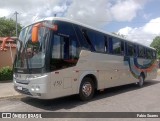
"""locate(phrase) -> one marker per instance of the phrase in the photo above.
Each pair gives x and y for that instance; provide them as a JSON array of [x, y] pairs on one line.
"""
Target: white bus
[[58, 57]]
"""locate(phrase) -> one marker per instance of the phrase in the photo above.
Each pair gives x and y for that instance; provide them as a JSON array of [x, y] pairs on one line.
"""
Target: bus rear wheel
[[87, 89], [141, 81]]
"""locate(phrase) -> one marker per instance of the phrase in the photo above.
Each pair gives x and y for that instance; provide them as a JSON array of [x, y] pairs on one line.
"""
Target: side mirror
[[35, 31], [36, 27]]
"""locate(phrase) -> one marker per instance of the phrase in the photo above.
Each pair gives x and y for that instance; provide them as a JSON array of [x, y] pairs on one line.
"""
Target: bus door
[[62, 63]]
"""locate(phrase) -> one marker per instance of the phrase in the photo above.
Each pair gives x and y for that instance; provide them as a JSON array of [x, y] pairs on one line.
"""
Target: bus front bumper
[[36, 88]]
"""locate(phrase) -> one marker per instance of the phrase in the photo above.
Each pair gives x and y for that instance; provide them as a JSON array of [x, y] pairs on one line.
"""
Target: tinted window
[[130, 49], [135, 50], [64, 47], [122, 47], [97, 40], [56, 51], [116, 46], [149, 53], [106, 48], [82, 40], [141, 51], [84, 32], [73, 49], [110, 44]]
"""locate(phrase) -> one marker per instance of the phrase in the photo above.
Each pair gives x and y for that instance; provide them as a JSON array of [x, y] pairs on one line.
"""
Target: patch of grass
[[6, 73]]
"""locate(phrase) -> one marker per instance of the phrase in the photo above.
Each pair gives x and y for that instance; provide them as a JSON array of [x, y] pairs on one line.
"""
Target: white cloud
[[92, 12], [30, 10], [96, 13], [144, 34], [126, 10], [153, 27], [125, 31], [147, 16], [4, 12], [58, 9]]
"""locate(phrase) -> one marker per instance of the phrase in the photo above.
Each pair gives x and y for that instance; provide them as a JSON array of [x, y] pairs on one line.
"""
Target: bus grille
[[23, 91], [22, 81]]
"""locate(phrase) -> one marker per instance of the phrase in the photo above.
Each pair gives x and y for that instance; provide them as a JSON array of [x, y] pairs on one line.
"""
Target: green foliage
[[156, 44], [6, 73], [7, 27]]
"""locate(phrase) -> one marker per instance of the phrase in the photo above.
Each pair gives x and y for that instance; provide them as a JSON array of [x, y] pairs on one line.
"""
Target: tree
[[7, 27], [156, 44]]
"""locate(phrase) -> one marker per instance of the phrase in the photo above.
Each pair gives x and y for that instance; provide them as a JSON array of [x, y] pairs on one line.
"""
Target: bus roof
[[90, 27]]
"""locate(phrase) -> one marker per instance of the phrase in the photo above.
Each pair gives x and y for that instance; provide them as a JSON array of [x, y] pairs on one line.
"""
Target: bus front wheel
[[87, 89]]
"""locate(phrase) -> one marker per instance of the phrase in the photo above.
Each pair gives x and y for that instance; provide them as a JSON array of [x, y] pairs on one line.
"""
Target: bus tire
[[87, 89], [141, 81]]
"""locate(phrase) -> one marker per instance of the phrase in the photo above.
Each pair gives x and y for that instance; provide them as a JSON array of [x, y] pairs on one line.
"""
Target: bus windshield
[[31, 55]]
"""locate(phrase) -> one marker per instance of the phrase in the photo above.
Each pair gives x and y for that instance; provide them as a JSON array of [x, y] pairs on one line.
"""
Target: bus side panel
[[111, 69], [139, 65], [63, 82]]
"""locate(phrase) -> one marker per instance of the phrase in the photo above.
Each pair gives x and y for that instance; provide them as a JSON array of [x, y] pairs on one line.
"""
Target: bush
[[6, 73]]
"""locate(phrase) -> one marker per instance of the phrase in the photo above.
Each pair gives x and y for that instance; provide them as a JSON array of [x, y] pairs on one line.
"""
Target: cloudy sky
[[138, 20]]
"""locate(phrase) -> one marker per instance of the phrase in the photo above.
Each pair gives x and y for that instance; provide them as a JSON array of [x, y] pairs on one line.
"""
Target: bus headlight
[[37, 88], [32, 89]]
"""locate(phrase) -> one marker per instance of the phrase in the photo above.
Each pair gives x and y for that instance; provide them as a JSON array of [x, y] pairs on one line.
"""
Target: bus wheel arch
[[94, 79], [87, 88]]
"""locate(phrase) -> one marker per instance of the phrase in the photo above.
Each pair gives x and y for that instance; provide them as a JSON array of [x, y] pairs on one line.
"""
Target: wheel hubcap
[[87, 89]]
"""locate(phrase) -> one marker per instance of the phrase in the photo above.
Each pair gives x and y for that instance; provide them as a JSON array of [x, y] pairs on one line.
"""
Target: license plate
[[19, 88]]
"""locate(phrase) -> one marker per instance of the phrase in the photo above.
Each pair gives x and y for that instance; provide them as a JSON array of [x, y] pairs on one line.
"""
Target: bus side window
[[130, 49], [141, 52], [84, 44], [71, 45], [64, 47], [97, 39], [116, 46], [60, 47], [149, 54], [84, 32], [99, 42], [122, 48], [110, 44], [125, 49], [135, 51], [73, 50], [106, 48]]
